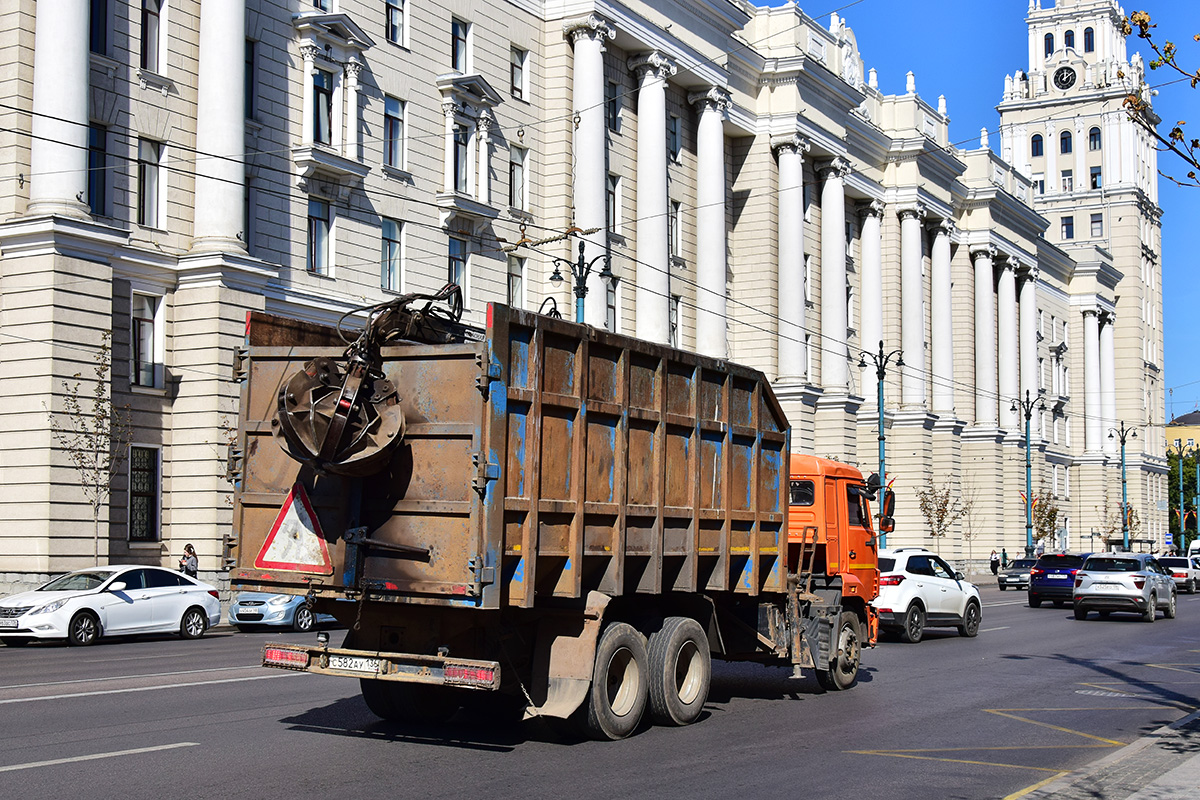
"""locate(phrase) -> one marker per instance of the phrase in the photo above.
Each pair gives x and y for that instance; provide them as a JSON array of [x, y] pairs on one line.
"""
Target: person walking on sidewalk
[[189, 564], [1003, 558], [995, 559]]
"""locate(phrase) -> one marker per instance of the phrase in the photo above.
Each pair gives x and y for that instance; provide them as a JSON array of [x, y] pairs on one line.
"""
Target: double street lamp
[[1180, 450], [1027, 406], [1122, 434], [580, 270], [880, 360]]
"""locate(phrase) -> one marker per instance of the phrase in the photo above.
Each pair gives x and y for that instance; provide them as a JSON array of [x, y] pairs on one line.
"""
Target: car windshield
[[1021, 563], [1174, 562], [1059, 562], [887, 564], [76, 581], [1112, 565]]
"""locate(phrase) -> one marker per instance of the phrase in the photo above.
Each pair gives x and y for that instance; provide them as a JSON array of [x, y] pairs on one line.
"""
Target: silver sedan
[[1124, 582]]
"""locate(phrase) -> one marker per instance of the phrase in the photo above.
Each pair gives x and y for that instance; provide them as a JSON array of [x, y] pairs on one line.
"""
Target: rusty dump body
[[552, 479]]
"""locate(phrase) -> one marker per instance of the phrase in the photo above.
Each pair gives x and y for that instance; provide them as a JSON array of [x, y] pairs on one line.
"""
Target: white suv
[[917, 589]]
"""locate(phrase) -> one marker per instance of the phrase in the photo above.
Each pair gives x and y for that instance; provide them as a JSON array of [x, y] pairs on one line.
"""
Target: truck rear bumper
[[401, 667]]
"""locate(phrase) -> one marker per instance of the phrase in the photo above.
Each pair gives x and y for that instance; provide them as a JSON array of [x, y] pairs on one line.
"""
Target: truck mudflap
[[377, 665]]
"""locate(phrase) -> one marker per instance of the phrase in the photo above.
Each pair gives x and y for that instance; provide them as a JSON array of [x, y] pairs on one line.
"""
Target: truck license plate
[[354, 663], [8, 623]]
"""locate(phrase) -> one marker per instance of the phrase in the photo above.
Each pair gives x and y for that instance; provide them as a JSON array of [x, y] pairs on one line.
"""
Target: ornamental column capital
[[451, 109], [987, 251], [591, 27], [943, 226], [310, 53], [353, 68], [1091, 312], [712, 99], [1031, 273], [655, 63], [871, 208], [837, 168], [485, 121], [915, 211], [794, 143]]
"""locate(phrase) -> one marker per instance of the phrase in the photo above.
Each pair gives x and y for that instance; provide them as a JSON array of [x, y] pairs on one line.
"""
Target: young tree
[[94, 434], [940, 508], [1045, 518]]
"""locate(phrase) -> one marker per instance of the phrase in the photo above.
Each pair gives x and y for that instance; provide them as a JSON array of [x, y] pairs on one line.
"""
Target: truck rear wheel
[[843, 662], [406, 702], [617, 697], [680, 671]]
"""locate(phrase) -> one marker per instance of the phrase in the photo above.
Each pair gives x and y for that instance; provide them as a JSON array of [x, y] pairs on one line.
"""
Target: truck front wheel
[[680, 671], [617, 697], [843, 662]]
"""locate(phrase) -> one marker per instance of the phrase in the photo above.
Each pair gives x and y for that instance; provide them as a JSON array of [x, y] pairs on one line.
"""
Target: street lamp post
[[1027, 405], [1179, 451], [880, 360], [1122, 434], [580, 270]]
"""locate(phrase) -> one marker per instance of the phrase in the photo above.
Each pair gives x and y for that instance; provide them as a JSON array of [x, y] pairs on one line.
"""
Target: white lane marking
[[135, 751], [127, 677], [147, 688], [1009, 603], [1001, 628]]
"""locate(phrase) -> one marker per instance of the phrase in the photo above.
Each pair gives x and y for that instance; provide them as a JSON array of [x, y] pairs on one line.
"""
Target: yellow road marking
[[1113, 742], [950, 760], [1035, 786]]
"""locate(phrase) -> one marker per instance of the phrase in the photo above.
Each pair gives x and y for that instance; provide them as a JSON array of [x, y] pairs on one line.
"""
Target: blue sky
[[964, 48]]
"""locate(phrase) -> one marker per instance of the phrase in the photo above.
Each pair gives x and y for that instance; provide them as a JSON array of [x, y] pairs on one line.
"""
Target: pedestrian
[[995, 559], [1041, 548], [1003, 558], [189, 565]]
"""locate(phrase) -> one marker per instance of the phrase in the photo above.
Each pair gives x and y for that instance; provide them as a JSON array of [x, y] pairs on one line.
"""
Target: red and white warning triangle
[[295, 543]]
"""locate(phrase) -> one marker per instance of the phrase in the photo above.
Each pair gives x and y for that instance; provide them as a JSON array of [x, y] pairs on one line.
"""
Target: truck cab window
[[857, 513], [803, 493]]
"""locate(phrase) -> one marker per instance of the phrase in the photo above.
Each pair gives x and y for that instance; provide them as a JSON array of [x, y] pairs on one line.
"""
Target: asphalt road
[[1036, 694]]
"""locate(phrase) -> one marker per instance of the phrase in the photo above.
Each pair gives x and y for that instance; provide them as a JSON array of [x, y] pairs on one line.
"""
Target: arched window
[[1035, 145], [1049, 44], [1094, 139], [1069, 39], [1064, 142], [1089, 40]]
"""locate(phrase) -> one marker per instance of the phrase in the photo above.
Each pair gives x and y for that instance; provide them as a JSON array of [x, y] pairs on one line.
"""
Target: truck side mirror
[[888, 507], [886, 524]]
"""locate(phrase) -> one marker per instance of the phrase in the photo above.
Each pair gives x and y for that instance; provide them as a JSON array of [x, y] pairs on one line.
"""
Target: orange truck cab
[[830, 533]]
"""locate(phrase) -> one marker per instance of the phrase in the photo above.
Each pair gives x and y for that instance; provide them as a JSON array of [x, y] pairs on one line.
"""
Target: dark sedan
[[1053, 578], [1016, 574]]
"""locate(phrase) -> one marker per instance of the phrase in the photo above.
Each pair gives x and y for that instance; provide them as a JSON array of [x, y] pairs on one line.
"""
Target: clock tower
[[1095, 180]]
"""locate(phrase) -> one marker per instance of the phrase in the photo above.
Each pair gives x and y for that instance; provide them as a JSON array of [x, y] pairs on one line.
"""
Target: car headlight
[[280, 600], [54, 606]]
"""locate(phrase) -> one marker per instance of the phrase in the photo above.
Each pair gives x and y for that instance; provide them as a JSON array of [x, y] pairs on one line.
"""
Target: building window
[[146, 336], [674, 137], [1068, 228], [612, 106], [516, 282], [1069, 39], [610, 305], [1089, 40], [1049, 40], [457, 263], [393, 132], [318, 236], [1064, 142], [673, 231], [322, 106], [461, 157], [516, 177], [459, 31], [143, 494], [1094, 139], [395, 21], [1035, 146], [1039, 185], [151, 35], [150, 155], [612, 204], [674, 320], [321, 5], [1097, 225], [98, 169], [1096, 182], [98, 27], [516, 72], [391, 256], [1068, 181], [251, 80]]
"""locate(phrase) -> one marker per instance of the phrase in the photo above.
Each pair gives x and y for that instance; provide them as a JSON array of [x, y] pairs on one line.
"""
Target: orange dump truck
[[538, 516]]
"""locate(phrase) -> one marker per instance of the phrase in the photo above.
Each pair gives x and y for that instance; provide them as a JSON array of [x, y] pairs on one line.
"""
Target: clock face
[[1064, 78]]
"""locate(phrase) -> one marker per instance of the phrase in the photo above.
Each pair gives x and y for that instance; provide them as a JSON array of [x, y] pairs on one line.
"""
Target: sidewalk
[[1165, 764]]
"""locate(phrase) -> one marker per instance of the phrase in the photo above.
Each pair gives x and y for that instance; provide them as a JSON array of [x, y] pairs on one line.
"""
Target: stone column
[[484, 181], [941, 327], [591, 178], [1006, 332], [912, 307], [309, 53], [1029, 342], [1080, 146], [653, 297], [59, 149], [871, 325], [450, 110], [711, 339], [1092, 428], [835, 373], [1050, 148], [221, 127], [353, 68], [789, 231], [1108, 382], [985, 337]]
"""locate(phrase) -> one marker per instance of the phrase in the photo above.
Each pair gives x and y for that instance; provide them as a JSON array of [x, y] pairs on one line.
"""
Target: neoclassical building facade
[[172, 165]]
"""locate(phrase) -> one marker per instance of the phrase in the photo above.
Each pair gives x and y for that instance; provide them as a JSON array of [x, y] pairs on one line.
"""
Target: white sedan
[[84, 605]]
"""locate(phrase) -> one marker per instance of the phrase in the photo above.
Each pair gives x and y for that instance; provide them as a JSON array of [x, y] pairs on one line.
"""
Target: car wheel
[[1034, 600], [1151, 609], [193, 624], [303, 621], [1080, 613], [1003, 587], [843, 664], [84, 629], [914, 624], [971, 618], [1191, 586], [1169, 611]]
